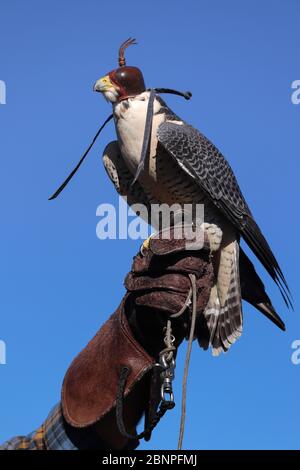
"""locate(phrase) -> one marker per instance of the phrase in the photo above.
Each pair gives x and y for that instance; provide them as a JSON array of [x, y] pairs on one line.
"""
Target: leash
[[148, 125], [146, 140], [147, 136], [187, 360], [64, 184], [167, 365]]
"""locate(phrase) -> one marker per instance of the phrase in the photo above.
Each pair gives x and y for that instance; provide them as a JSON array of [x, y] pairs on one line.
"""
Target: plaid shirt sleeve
[[55, 434]]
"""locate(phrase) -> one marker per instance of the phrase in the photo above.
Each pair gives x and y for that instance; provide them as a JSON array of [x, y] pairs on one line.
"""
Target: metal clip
[[167, 377]]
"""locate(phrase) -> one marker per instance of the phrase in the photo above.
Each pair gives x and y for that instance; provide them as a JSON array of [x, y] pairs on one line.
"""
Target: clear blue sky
[[59, 282]]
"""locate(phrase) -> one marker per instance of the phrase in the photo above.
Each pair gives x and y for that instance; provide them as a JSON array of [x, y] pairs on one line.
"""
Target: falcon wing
[[203, 162]]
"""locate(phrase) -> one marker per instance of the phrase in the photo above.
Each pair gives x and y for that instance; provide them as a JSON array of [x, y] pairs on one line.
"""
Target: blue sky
[[59, 281]]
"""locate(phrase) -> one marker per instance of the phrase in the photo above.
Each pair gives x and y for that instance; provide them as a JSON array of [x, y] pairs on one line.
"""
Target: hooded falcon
[[160, 158]]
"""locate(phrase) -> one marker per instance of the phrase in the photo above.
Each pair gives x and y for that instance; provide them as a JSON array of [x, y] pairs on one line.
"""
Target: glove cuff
[[90, 385]]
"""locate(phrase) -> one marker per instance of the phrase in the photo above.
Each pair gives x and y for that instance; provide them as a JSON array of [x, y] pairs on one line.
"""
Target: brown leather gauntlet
[[157, 286], [91, 382]]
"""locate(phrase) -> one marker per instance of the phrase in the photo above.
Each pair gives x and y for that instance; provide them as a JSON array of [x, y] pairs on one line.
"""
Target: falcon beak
[[103, 84]]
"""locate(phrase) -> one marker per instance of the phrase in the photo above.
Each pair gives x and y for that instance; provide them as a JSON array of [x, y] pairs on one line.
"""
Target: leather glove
[[157, 286]]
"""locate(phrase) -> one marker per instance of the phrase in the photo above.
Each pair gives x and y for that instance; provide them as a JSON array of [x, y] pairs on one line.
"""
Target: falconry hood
[[127, 80]]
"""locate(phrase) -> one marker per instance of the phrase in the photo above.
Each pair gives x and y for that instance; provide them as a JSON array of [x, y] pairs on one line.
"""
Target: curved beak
[[103, 84]]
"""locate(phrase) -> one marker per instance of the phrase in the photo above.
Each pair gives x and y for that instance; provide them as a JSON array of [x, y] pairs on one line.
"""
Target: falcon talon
[[145, 246]]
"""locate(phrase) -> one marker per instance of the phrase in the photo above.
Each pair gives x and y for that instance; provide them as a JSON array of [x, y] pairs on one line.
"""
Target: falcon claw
[[145, 246]]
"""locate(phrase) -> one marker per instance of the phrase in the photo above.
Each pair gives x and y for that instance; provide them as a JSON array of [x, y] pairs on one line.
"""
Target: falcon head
[[121, 83]]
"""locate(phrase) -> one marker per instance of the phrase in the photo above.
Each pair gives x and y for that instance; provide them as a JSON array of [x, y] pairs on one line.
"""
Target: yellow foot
[[145, 246]]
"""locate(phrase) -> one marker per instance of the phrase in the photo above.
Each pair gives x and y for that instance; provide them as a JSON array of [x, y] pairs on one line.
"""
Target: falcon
[[160, 158]]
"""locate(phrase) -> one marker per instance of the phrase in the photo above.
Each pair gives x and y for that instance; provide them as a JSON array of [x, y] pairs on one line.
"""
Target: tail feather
[[253, 291], [222, 324], [207, 323], [258, 244], [225, 322]]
